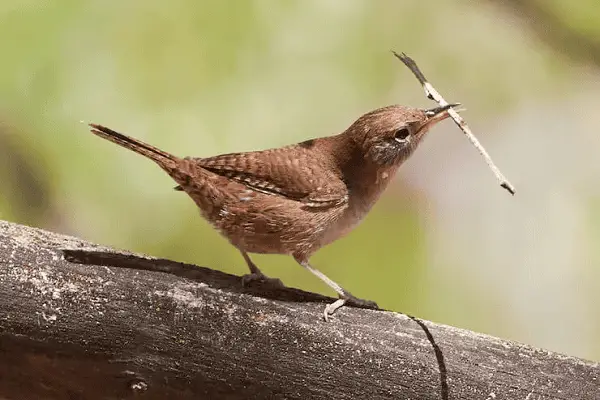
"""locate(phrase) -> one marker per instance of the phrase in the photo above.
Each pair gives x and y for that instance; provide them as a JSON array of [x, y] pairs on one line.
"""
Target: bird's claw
[[348, 299], [261, 278]]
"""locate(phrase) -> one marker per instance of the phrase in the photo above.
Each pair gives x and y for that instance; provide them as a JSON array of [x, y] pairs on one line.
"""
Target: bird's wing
[[301, 177]]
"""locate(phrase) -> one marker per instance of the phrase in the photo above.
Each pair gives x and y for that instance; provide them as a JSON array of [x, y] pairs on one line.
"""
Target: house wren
[[296, 199]]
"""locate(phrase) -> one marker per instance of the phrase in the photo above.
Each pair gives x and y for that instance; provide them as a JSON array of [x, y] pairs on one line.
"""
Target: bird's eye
[[401, 135]]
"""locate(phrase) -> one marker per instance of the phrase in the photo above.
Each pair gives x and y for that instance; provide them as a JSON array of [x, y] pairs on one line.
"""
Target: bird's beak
[[435, 115], [432, 112]]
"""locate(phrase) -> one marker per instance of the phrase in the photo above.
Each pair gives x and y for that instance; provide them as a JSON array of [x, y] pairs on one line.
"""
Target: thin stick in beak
[[437, 110], [434, 95]]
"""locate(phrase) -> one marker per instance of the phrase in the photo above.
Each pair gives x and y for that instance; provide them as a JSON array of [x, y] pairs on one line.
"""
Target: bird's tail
[[162, 158]]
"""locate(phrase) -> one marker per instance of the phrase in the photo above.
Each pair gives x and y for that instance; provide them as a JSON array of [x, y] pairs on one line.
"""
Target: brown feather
[[301, 178]]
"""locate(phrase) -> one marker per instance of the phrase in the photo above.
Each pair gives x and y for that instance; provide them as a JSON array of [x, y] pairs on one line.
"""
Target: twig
[[435, 96]]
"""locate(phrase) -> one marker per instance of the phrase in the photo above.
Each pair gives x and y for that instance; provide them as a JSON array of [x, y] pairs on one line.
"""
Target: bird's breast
[[362, 197]]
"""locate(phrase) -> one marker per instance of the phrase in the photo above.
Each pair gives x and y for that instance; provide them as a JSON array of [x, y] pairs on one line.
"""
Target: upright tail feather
[[162, 158]]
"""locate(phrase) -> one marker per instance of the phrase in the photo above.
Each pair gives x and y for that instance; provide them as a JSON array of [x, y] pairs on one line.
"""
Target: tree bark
[[82, 321]]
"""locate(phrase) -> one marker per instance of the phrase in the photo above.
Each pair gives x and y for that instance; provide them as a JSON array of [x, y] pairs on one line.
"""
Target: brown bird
[[296, 199]]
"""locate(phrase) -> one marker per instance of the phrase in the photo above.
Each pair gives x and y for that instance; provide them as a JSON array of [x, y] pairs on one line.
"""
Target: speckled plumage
[[296, 199]]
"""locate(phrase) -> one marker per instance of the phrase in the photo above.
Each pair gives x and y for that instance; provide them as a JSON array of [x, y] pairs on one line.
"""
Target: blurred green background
[[206, 77]]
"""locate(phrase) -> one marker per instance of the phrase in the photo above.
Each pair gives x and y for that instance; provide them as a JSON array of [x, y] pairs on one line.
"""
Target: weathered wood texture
[[80, 321]]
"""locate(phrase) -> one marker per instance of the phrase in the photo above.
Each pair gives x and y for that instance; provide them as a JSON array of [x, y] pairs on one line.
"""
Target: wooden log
[[81, 321]]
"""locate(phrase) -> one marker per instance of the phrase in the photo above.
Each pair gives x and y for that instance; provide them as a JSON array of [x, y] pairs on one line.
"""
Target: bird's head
[[389, 135]]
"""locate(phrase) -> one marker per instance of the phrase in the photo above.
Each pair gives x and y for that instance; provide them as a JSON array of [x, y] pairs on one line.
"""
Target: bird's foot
[[248, 279], [348, 299]]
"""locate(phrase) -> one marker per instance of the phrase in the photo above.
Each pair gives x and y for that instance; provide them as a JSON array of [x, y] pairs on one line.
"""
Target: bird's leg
[[345, 297], [256, 274]]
